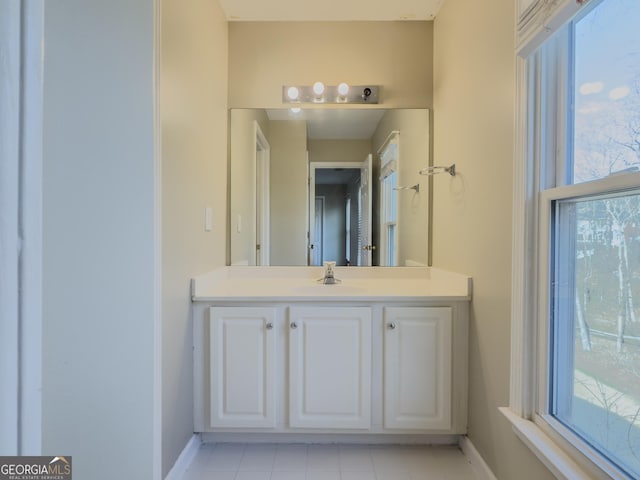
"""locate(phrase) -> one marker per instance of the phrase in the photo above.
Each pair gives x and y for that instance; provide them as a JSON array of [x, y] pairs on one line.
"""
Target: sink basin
[[335, 289]]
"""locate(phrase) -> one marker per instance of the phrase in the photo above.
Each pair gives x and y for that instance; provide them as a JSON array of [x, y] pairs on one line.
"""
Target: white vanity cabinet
[[330, 367], [242, 367], [382, 353], [417, 368]]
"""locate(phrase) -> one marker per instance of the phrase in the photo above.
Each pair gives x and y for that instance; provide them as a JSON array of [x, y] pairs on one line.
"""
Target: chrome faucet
[[329, 274]]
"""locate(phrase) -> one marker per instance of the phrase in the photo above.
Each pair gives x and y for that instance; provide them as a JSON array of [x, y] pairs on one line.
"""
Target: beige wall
[[288, 141], [266, 55], [413, 208], [242, 181], [338, 150], [193, 85], [474, 117]]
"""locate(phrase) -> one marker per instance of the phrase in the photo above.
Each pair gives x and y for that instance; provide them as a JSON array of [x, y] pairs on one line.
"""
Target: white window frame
[[542, 133], [21, 165], [388, 257], [385, 190], [347, 247]]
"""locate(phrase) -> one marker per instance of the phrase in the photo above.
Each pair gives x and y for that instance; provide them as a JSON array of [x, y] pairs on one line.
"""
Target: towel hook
[[415, 187], [451, 170]]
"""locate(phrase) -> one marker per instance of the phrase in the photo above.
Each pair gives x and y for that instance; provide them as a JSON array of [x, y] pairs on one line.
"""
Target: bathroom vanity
[[382, 352]]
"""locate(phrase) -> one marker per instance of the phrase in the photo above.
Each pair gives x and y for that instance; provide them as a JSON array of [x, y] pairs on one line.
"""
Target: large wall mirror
[[329, 185]]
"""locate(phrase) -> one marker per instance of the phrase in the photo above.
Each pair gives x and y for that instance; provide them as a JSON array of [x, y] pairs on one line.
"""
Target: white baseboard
[[186, 457], [329, 438], [476, 460]]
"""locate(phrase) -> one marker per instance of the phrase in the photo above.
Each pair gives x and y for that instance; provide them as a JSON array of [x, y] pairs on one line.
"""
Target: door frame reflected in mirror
[[349, 243], [263, 193]]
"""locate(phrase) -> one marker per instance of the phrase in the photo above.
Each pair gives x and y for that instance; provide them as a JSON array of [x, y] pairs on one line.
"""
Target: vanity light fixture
[[318, 88], [343, 89], [320, 93], [293, 93]]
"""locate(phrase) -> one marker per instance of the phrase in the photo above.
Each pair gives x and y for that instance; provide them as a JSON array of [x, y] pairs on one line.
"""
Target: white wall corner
[[186, 457], [477, 462]]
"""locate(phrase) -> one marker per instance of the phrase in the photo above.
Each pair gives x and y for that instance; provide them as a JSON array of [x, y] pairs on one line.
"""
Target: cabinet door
[[330, 367], [242, 367], [417, 368]]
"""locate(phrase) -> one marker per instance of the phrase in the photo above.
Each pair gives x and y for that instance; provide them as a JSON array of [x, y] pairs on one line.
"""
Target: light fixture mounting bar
[[305, 94]]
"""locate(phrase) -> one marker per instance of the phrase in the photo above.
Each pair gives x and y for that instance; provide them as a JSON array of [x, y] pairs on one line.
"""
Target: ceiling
[[330, 10], [333, 123]]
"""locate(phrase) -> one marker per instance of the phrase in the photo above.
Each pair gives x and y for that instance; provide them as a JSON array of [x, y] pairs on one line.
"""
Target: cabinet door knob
[[269, 326], [391, 326], [294, 325]]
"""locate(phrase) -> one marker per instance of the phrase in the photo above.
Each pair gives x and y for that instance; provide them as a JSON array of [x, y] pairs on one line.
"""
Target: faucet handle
[[329, 269]]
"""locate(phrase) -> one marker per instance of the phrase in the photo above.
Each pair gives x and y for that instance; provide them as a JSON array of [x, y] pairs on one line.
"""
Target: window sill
[[547, 451]]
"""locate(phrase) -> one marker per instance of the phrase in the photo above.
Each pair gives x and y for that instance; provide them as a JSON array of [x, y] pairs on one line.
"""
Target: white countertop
[[242, 283]]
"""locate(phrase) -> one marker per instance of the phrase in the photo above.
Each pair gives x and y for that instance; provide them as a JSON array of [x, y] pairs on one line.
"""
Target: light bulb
[[293, 93], [318, 88], [343, 89], [296, 110]]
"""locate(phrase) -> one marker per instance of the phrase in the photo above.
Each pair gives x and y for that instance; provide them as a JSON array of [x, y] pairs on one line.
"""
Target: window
[[347, 216], [389, 218], [578, 339], [389, 201]]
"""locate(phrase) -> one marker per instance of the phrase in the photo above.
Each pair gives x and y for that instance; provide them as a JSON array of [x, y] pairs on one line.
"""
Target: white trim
[[262, 168], [610, 184], [157, 244], [523, 248], [476, 460], [10, 94], [330, 438], [31, 227], [586, 457], [185, 458], [21, 44], [556, 460], [391, 138], [545, 18]]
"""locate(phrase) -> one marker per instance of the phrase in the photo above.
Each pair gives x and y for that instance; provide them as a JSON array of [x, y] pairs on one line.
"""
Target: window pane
[[391, 245], [391, 195], [596, 357], [607, 90]]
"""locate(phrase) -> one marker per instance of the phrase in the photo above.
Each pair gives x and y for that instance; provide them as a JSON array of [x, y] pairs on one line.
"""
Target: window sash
[[550, 139], [543, 404]]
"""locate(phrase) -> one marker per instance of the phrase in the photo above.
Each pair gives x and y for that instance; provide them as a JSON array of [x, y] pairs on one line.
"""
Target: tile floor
[[226, 461]]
